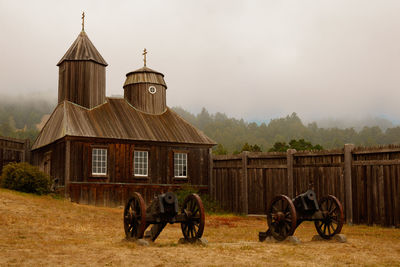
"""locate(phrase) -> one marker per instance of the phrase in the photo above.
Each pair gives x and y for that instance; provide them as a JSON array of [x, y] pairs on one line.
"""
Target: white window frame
[[141, 163], [180, 165], [99, 161]]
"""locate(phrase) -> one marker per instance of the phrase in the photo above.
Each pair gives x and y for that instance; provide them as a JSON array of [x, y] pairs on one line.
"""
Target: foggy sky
[[255, 60]]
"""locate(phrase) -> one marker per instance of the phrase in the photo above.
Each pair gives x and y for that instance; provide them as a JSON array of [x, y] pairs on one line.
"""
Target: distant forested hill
[[19, 117], [233, 133]]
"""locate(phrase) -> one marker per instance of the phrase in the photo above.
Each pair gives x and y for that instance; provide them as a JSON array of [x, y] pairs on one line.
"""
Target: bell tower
[[82, 73], [145, 89]]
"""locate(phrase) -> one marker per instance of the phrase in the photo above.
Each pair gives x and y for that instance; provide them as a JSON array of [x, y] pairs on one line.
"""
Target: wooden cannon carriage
[[162, 210], [285, 215]]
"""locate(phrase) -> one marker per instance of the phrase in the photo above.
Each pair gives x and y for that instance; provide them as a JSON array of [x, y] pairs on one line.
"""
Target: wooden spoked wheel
[[281, 217], [135, 217], [193, 209], [332, 213]]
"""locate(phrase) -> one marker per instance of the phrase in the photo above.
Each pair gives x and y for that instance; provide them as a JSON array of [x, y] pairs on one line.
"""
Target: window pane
[[140, 163], [180, 164], [99, 161]]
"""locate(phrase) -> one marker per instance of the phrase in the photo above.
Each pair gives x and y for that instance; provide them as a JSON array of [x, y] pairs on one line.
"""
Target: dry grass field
[[38, 231]]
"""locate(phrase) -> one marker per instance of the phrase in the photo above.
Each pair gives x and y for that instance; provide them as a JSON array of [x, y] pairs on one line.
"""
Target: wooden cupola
[[82, 74], [145, 89]]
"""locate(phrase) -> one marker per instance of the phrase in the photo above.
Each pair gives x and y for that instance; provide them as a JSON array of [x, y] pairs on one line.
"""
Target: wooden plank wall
[[13, 150], [120, 163], [117, 186], [374, 195], [322, 172], [267, 177], [56, 153], [140, 97], [117, 194], [376, 186], [227, 174], [82, 82]]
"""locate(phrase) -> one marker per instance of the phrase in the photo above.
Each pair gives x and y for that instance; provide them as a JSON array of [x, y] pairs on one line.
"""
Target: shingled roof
[[119, 120], [145, 75], [83, 49]]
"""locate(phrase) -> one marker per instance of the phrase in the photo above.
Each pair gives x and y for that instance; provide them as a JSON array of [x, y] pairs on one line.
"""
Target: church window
[[99, 161], [140, 163], [180, 165]]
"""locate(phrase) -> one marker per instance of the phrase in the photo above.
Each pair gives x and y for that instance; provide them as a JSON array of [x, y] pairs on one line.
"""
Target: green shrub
[[184, 191], [25, 178], [210, 205]]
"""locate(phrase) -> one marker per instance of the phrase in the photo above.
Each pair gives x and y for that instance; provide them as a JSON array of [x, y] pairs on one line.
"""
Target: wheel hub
[[279, 216]]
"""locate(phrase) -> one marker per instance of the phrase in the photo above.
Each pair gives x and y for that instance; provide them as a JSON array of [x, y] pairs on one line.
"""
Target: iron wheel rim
[[193, 208], [135, 217], [332, 212], [281, 217]]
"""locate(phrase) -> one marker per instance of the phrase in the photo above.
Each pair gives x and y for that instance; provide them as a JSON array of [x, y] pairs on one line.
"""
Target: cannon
[[162, 210], [284, 215]]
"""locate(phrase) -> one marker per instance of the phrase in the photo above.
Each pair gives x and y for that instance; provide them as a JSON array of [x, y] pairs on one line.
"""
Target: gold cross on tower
[[83, 21], [144, 54]]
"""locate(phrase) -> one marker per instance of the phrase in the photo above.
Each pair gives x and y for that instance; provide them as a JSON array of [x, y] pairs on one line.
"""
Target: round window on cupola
[[152, 90]]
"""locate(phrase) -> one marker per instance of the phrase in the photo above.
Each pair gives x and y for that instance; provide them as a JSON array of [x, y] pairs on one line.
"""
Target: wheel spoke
[[196, 210], [284, 230], [333, 211], [288, 220], [333, 228], [191, 231], [280, 230], [331, 205]]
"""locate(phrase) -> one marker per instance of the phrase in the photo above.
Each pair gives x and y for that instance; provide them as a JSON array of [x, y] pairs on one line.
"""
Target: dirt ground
[[45, 231]]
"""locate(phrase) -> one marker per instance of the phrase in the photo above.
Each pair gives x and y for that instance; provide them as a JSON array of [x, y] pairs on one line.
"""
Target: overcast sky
[[255, 60]]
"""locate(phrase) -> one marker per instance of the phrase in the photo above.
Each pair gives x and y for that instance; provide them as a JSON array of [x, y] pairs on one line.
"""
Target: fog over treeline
[[22, 115], [254, 60]]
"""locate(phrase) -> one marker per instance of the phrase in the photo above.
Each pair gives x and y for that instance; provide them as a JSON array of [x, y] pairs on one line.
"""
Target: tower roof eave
[[83, 49]]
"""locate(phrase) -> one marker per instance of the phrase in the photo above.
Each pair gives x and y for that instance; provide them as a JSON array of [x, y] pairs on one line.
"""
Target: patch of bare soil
[[44, 231]]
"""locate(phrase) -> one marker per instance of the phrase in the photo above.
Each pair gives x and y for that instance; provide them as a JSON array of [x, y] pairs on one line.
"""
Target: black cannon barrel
[[306, 201], [169, 198], [168, 203]]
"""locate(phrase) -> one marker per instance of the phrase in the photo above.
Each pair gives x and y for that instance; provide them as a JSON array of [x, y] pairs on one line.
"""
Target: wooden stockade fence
[[13, 150], [365, 180]]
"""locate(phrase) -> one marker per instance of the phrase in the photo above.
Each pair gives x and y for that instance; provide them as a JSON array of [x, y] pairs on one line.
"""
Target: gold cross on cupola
[[83, 21], [144, 56]]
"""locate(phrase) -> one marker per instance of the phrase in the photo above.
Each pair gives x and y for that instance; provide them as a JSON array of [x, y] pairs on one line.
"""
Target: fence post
[[211, 183], [348, 158], [245, 198], [289, 162]]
